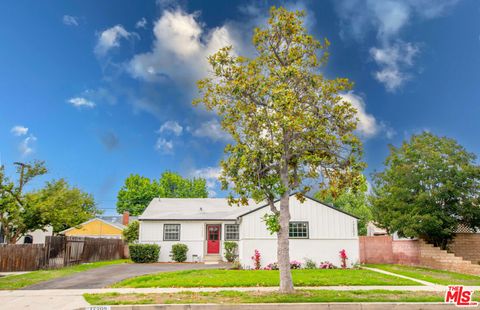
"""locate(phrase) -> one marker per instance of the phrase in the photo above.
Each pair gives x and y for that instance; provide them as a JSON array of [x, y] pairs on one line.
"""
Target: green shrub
[[310, 264], [179, 252], [230, 250], [130, 233], [144, 253]]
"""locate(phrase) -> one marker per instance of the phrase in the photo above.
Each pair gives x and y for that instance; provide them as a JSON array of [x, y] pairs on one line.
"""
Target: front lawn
[[237, 278], [234, 297], [431, 275], [22, 280]]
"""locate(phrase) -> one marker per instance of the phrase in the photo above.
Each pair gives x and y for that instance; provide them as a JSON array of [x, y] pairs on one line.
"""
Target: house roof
[[196, 209], [113, 220]]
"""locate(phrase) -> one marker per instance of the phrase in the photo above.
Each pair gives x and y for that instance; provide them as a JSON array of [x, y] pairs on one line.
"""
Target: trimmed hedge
[[179, 252], [144, 253]]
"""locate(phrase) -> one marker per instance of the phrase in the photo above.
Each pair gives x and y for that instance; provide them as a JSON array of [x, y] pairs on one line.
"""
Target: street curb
[[289, 306]]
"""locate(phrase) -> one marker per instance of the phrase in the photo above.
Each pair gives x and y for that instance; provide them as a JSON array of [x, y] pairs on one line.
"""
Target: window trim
[[225, 232], [179, 231], [299, 222]]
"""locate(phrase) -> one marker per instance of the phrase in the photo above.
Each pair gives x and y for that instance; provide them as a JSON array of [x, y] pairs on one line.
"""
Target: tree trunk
[[283, 248]]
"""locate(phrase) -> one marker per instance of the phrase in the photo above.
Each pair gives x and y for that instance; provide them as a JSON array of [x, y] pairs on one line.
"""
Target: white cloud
[[367, 124], [387, 18], [394, 61], [180, 49], [171, 126], [212, 130], [142, 23], [211, 175], [164, 146], [110, 38], [26, 146], [80, 102], [19, 130], [70, 20]]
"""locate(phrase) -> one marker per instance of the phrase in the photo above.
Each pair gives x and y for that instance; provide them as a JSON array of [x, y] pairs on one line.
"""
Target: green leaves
[[429, 187], [138, 191], [282, 113]]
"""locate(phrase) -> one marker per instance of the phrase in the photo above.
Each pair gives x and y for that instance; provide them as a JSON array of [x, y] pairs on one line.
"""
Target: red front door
[[213, 239]]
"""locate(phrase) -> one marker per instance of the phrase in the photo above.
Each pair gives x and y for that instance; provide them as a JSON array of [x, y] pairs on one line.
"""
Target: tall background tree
[[138, 191], [429, 187], [288, 122]]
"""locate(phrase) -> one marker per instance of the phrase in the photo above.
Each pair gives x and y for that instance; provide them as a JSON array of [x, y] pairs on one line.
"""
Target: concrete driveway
[[108, 275]]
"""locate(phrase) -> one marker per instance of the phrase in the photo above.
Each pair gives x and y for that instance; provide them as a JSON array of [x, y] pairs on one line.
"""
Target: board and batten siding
[[329, 232]]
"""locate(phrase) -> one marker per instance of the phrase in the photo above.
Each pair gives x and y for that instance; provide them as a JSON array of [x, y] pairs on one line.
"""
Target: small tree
[[230, 251], [62, 206], [429, 187], [17, 214], [130, 233], [288, 123]]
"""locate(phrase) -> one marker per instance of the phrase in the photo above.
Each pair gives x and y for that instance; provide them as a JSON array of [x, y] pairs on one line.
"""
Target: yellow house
[[96, 228]]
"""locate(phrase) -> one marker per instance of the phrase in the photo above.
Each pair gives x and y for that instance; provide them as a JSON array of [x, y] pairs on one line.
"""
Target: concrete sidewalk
[[72, 298]]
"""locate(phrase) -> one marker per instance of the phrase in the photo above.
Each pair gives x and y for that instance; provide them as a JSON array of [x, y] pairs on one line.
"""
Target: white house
[[317, 231]]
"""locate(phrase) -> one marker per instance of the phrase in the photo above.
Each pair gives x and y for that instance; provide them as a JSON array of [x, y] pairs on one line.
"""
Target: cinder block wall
[[406, 252], [376, 250], [466, 245]]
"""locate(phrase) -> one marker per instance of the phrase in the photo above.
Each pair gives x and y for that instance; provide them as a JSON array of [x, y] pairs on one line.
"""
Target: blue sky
[[102, 89]]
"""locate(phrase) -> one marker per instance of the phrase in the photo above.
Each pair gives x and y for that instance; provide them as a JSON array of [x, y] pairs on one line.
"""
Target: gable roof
[[113, 224], [194, 209], [308, 197], [197, 209]]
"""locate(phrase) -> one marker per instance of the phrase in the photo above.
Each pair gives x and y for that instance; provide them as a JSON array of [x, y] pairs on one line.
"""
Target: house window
[[231, 232], [171, 232], [298, 230]]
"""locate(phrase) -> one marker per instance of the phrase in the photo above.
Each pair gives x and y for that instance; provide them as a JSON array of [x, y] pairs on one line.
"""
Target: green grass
[[22, 280], [236, 278], [431, 275], [233, 297]]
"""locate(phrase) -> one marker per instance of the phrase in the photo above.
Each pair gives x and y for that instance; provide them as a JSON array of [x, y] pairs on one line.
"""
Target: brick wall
[[385, 250], [466, 245]]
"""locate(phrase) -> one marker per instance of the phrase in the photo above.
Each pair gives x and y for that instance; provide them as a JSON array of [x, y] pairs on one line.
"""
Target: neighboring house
[[373, 230], [317, 231], [35, 236], [101, 227]]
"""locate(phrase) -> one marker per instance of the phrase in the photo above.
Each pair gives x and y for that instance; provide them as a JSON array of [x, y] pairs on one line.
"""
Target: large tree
[[288, 122], [62, 206], [138, 191], [17, 215], [429, 187]]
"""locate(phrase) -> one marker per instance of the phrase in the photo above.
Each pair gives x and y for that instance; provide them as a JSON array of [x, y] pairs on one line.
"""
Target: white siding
[[329, 232], [192, 233]]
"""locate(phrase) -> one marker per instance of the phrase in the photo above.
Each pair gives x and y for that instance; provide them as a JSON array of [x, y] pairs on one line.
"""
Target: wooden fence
[[59, 251]]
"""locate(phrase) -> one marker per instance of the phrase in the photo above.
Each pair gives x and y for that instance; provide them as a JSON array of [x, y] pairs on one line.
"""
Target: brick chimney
[[125, 218]]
